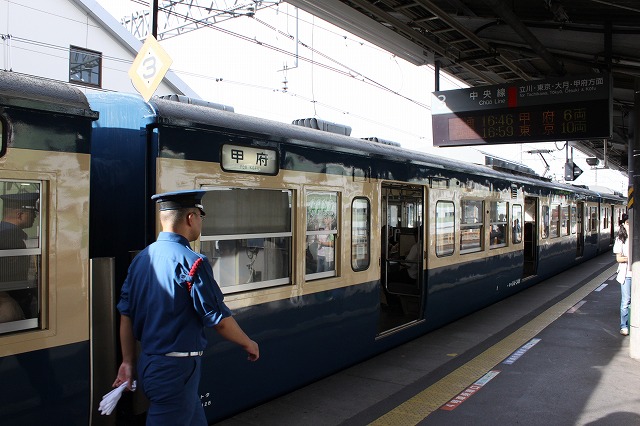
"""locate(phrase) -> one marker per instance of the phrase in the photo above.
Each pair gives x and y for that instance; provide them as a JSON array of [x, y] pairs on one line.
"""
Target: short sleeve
[[123, 304], [617, 247], [208, 299]]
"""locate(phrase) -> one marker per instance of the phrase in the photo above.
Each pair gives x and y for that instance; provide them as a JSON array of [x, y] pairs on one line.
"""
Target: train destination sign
[[246, 159], [570, 108]]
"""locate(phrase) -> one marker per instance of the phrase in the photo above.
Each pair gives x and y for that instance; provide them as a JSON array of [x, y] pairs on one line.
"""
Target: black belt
[[184, 354]]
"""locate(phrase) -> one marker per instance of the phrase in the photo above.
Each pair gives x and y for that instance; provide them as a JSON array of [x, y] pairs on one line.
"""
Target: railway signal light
[[571, 171]]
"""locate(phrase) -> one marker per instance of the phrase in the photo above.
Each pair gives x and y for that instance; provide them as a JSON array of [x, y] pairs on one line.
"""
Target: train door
[[530, 236], [402, 255], [579, 229]]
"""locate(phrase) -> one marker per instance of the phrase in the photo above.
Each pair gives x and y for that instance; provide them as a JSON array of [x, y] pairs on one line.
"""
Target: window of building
[[471, 226], [20, 256], [85, 66], [360, 234], [516, 224], [249, 243], [445, 220], [498, 223], [322, 233]]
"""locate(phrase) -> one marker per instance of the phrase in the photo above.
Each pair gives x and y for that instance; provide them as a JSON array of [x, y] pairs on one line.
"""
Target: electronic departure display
[[552, 110]]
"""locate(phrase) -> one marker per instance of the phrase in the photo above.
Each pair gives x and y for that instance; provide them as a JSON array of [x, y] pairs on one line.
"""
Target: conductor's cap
[[22, 200], [180, 200]]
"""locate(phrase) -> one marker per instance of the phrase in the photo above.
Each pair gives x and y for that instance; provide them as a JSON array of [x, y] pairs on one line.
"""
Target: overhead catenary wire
[[349, 73]]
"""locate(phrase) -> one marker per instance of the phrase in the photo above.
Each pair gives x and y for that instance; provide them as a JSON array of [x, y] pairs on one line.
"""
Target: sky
[[251, 64]]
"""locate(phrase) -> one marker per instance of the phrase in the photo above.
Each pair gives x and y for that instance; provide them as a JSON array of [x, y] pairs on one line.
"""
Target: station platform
[[550, 355]]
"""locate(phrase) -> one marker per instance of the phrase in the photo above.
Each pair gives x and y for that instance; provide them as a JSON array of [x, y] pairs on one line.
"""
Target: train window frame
[[545, 214], [498, 223], [4, 136], [360, 234], [470, 228], [516, 223], [78, 59], [593, 218], [23, 289], [325, 207], [565, 221], [605, 218], [554, 221], [266, 240], [574, 219], [445, 238]]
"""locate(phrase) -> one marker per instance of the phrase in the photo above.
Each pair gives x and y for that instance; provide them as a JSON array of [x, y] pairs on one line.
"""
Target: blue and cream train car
[[45, 130], [308, 233]]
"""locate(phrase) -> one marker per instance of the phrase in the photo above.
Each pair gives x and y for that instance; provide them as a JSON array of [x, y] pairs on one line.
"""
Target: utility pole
[[634, 227], [154, 20]]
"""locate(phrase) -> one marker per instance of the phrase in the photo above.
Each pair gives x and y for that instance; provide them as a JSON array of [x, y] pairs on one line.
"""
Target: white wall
[[42, 31]]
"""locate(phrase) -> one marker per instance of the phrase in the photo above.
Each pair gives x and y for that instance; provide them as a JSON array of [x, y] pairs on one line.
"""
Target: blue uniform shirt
[[165, 317]]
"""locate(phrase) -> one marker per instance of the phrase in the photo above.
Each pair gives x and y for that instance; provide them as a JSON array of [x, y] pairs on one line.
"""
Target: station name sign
[[570, 108]]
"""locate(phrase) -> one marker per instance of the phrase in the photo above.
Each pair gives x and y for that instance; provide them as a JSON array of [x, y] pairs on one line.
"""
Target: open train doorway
[[530, 237], [402, 255]]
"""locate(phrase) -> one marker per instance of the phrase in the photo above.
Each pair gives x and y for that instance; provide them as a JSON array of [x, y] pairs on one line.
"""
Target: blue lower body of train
[[46, 387], [307, 338]]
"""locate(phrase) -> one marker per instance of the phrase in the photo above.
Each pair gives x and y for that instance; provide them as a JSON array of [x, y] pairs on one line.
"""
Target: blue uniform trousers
[[171, 385]]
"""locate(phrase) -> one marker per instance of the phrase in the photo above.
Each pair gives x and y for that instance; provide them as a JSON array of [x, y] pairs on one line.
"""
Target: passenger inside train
[[19, 212]]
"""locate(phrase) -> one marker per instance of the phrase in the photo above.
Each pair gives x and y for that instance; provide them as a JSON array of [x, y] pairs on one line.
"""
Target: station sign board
[[569, 108]]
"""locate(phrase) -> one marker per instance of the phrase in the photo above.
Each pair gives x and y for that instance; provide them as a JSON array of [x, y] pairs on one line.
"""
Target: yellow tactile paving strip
[[416, 409]]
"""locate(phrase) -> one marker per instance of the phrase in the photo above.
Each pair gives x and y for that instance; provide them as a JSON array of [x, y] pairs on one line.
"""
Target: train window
[[516, 224], [554, 226], [85, 66], [360, 234], [20, 255], [605, 218], [498, 223], [249, 242], [593, 219], [445, 220], [3, 138], [471, 226], [564, 220], [322, 231], [545, 221], [574, 219]]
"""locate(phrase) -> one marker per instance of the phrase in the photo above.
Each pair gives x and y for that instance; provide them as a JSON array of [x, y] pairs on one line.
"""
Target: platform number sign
[[149, 67]]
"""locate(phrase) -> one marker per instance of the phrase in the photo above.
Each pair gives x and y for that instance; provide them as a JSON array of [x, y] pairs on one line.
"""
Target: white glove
[[110, 400]]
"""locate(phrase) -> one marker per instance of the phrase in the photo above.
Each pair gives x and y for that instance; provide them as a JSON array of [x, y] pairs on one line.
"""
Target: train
[[306, 230]]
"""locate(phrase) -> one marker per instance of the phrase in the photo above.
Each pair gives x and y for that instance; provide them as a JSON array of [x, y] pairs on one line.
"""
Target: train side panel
[[44, 358]]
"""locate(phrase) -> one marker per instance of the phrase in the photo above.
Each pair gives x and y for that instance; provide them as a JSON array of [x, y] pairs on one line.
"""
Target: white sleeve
[[617, 247]]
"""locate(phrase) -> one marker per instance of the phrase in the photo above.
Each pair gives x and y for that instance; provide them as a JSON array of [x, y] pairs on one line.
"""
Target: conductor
[[167, 300], [19, 212]]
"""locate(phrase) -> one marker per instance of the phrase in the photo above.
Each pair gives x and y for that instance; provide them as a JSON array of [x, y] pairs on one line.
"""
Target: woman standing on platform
[[621, 250]]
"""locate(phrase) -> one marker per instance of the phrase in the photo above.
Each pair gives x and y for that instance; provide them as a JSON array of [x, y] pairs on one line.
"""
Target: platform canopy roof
[[486, 42]]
